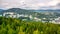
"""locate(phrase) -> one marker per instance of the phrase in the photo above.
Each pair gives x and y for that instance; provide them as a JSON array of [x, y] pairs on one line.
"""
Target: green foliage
[[16, 26]]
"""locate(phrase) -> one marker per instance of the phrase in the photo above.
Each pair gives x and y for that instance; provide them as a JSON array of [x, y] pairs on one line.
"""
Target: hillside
[[19, 11], [16, 26], [48, 14]]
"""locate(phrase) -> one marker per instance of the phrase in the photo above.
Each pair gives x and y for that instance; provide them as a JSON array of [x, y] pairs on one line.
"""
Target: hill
[[16, 26], [48, 14]]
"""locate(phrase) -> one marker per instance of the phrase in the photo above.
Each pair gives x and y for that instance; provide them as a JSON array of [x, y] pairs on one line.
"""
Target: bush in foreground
[[16, 26]]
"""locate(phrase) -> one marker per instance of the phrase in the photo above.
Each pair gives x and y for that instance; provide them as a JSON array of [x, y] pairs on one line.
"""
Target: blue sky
[[30, 4]]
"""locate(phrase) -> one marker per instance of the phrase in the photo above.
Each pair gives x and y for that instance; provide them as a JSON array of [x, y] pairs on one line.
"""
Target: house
[[56, 21], [10, 14]]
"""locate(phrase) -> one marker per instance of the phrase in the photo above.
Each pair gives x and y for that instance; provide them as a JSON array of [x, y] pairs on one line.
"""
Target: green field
[[17, 26]]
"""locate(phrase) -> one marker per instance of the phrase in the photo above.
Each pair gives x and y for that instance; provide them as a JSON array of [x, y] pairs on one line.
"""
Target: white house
[[56, 21], [10, 14]]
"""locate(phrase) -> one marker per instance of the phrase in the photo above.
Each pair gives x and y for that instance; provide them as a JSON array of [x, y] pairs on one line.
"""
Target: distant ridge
[[1, 9], [19, 10], [35, 13]]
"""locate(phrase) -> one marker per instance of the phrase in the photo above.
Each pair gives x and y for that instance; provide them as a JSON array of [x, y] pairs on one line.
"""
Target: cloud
[[28, 4]]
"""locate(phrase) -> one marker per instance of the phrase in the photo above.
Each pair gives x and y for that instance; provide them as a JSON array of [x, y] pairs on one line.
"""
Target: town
[[30, 17]]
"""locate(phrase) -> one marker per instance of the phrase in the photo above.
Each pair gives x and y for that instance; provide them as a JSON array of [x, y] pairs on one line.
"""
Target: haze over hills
[[31, 9], [24, 11], [18, 10]]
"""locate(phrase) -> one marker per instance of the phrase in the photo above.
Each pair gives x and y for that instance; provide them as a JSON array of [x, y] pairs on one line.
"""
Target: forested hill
[[24, 11], [35, 13], [19, 11]]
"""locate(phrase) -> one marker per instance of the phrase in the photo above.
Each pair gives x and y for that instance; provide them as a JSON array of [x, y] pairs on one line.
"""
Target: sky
[[30, 4]]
